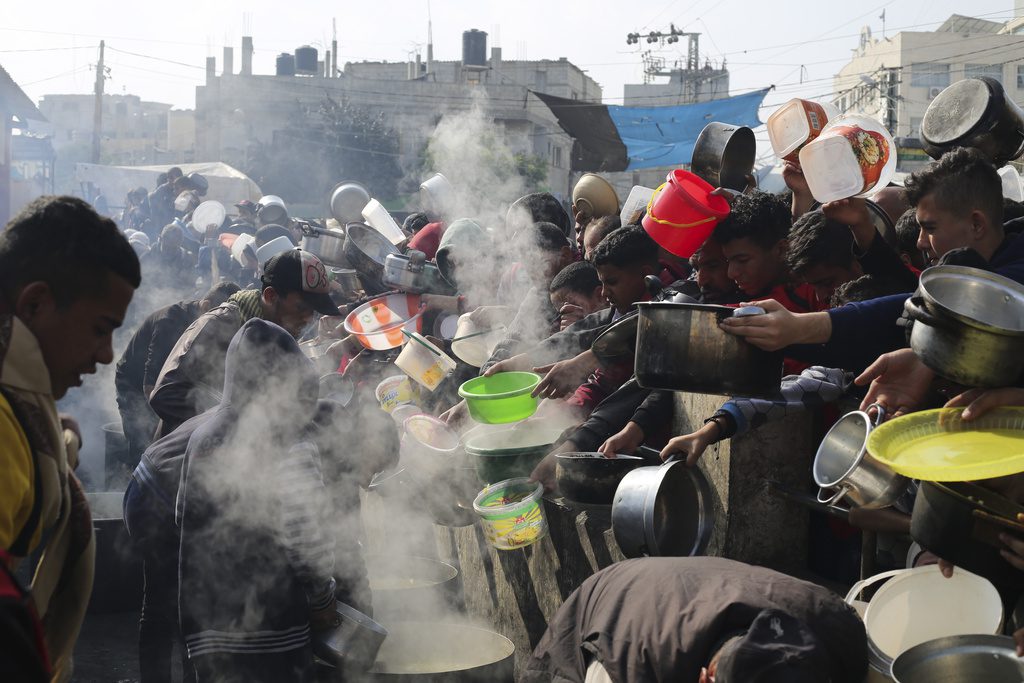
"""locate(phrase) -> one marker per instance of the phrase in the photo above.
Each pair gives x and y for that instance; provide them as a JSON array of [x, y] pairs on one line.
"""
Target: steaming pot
[[412, 273], [326, 243], [680, 347], [443, 652], [366, 250]]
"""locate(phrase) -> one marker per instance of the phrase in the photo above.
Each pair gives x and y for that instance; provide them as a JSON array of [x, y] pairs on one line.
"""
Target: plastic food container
[[474, 344], [637, 200], [378, 218], [793, 125], [428, 445], [424, 362], [512, 513], [682, 213], [403, 412], [378, 324], [394, 391], [500, 398], [437, 193], [1012, 188], [851, 157]]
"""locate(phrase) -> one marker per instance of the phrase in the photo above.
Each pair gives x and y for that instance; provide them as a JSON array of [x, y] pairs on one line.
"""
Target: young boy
[[576, 293]]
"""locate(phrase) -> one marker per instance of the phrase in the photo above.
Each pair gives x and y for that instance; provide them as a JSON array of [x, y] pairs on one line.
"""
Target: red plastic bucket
[[682, 213]]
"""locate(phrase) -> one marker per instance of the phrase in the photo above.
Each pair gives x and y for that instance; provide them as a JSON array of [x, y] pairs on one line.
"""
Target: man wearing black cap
[[246, 219], [295, 287], [700, 620]]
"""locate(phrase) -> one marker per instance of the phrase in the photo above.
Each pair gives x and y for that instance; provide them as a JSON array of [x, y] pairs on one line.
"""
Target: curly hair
[[625, 247], [816, 240], [960, 182], [763, 217]]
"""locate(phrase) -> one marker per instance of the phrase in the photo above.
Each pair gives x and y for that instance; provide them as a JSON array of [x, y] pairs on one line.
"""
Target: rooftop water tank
[[474, 49], [286, 64], [305, 60]]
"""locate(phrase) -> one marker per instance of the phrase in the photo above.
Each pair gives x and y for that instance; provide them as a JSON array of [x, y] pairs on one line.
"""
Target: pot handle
[[915, 308], [879, 413], [858, 587], [833, 500]]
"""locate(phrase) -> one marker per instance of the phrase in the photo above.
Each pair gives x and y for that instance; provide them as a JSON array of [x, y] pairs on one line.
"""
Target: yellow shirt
[[17, 485]]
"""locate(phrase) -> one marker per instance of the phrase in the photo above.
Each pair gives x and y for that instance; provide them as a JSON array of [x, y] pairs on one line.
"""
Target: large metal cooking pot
[[591, 478], [409, 587], [271, 209], [353, 643], [663, 510], [974, 112], [724, 155], [326, 243], [412, 273], [347, 200], [955, 659], [117, 583], [443, 652], [843, 468], [680, 347], [367, 250], [960, 522], [969, 325]]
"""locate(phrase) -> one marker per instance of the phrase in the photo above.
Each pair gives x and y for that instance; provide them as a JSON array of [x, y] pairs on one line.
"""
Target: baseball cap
[[299, 271], [778, 648]]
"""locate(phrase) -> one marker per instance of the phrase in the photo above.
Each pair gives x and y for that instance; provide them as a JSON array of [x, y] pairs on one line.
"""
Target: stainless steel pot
[[724, 155], [410, 587], [326, 243], [974, 112], [663, 510], [348, 280], [367, 250], [443, 652], [347, 200], [969, 326], [680, 347], [955, 659], [353, 643], [412, 273], [843, 468]]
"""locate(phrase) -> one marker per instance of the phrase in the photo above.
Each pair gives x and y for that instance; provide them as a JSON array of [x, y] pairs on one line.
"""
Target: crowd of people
[[238, 464]]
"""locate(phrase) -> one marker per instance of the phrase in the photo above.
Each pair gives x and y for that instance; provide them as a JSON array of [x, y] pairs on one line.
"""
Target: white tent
[[227, 184]]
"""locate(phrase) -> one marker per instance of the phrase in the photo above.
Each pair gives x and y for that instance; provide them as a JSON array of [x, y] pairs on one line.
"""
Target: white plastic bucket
[[437, 193], [512, 513], [394, 391], [426, 364], [918, 605], [471, 346], [276, 246], [1012, 188], [378, 218]]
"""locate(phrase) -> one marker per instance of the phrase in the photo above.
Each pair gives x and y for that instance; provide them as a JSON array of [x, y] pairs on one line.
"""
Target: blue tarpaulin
[[664, 136]]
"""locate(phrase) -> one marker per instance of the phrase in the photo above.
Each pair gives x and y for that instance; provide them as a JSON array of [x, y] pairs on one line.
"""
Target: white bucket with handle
[[920, 604]]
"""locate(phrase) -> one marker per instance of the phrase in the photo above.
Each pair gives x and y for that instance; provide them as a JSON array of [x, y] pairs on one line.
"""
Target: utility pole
[[97, 119]]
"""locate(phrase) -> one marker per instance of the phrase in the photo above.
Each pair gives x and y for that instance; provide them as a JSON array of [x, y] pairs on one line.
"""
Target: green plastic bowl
[[501, 398]]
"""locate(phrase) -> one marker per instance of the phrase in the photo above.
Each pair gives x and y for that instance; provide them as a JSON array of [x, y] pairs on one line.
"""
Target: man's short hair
[[579, 276], [1012, 210], [603, 227], [626, 247], [762, 217], [220, 292], [175, 172], [815, 240], [864, 288], [960, 182], [415, 222], [907, 232], [537, 208], [63, 242], [544, 236]]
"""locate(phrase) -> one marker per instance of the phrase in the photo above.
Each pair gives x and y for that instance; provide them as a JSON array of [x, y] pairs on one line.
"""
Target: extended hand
[[899, 382], [778, 327], [626, 441]]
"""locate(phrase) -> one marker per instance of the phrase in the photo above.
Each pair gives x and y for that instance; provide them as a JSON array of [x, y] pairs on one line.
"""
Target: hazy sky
[[48, 46]]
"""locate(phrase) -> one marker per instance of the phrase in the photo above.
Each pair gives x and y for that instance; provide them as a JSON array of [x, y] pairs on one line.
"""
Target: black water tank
[[474, 49], [305, 60], [286, 64]]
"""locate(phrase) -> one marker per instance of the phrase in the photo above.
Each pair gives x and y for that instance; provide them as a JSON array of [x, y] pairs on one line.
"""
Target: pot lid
[[976, 297], [956, 111]]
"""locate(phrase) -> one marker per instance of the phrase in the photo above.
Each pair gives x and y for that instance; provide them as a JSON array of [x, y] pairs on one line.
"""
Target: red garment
[[21, 632], [671, 272], [428, 239], [599, 386]]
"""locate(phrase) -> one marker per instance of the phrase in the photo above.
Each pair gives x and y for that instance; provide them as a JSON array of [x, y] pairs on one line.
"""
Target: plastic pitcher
[[512, 513], [426, 364], [378, 218], [682, 213], [793, 125], [851, 157]]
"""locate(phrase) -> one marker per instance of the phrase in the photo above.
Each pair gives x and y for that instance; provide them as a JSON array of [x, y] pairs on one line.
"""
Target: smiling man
[[67, 276]]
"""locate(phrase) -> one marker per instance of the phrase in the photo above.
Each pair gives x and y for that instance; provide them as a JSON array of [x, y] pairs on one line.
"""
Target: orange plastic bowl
[[378, 324]]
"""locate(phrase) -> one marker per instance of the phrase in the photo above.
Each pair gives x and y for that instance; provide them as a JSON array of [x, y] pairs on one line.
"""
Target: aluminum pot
[[974, 112], [961, 522], [347, 200], [367, 250], [969, 326], [443, 652], [960, 658], [353, 643], [406, 586], [724, 155], [412, 273], [680, 347], [663, 510], [326, 243], [843, 468]]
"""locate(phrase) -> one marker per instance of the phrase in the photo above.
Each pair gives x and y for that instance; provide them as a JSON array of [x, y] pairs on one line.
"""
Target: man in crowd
[[161, 200], [295, 287], [66, 279], [140, 364]]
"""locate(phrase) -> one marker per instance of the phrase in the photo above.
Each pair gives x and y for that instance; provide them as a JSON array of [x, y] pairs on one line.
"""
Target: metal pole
[[97, 119]]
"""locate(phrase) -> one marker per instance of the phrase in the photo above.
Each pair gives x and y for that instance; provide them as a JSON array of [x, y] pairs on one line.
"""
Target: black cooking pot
[[724, 155], [680, 347], [367, 250], [974, 112], [591, 478], [955, 520]]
